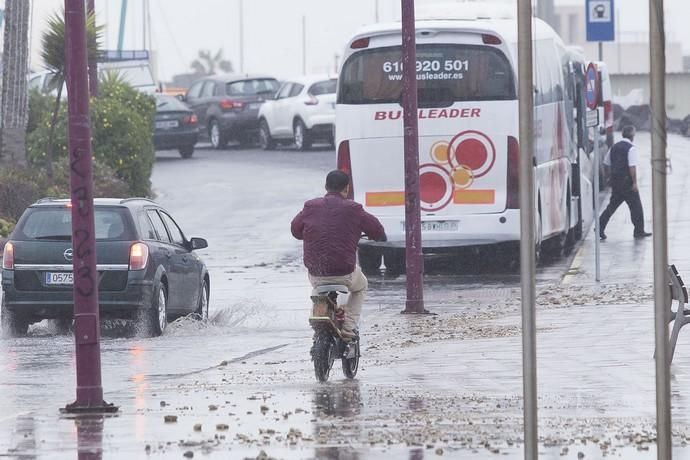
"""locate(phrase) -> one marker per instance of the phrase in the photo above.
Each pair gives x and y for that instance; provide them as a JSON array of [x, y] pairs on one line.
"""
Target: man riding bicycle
[[331, 227]]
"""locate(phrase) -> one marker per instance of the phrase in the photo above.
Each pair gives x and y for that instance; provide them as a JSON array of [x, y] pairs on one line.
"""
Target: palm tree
[[53, 54], [15, 96], [207, 63]]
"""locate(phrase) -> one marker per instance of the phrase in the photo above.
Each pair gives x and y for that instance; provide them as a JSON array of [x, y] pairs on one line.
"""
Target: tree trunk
[[51, 136], [14, 106]]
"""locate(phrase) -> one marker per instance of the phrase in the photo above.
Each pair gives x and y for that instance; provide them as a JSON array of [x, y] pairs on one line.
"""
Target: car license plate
[[254, 105], [438, 226], [168, 124], [59, 278]]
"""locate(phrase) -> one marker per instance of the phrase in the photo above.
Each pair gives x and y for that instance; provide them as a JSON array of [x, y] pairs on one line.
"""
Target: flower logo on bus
[[468, 156], [455, 167], [435, 187]]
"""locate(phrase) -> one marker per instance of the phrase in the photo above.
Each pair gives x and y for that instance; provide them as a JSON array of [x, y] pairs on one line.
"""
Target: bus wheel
[[369, 260], [395, 262]]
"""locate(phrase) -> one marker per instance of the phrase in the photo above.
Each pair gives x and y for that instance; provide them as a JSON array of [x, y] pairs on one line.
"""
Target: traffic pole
[[93, 65], [413, 229], [527, 220], [657, 50], [86, 317], [241, 36]]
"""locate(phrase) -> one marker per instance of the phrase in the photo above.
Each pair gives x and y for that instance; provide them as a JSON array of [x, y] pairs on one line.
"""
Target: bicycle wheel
[[351, 359], [323, 354]]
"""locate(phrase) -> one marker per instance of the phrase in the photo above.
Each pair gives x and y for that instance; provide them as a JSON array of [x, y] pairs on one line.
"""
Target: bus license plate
[[438, 226], [59, 278]]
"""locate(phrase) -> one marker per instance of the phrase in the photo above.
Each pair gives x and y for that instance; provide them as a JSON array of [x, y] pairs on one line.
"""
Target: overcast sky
[[273, 29]]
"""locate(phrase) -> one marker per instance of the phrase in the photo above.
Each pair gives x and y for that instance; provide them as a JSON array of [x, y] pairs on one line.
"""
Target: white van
[[468, 134]]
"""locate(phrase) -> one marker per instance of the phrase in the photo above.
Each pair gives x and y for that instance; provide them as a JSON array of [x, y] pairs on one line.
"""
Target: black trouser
[[624, 193]]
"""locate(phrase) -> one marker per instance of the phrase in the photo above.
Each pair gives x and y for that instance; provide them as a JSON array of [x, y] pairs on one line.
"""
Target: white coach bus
[[468, 135]]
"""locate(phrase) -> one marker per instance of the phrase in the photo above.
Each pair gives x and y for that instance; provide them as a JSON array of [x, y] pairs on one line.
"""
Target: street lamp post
[[413, 230], [86, 315]]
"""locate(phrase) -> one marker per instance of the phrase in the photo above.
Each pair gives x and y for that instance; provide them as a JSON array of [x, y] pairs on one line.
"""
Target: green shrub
[[122, 123], [40, 109], [6, 227], [22, 186]]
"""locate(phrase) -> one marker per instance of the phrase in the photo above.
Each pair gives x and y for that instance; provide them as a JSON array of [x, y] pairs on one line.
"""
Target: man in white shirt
[[622, 160]]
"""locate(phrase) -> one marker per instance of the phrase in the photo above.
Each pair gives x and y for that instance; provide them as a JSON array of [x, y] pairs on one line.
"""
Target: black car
[[146, 266], [228, 106], [177, 126]]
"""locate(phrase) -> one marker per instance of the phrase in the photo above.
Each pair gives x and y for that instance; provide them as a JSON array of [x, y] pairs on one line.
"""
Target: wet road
[[246, 378]]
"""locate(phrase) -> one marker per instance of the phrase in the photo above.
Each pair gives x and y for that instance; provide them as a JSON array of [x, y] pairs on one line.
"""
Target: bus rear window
[[445, 74]]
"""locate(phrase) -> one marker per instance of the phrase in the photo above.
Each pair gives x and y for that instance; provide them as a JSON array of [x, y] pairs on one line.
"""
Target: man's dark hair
[[629, 132], [337, 181]]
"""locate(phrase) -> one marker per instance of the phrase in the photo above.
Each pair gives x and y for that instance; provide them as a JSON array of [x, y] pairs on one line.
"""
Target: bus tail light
[[512, 183], [608, 114], [8, 257], [360, 43], [345, 164], [138, 256], [490, 39]]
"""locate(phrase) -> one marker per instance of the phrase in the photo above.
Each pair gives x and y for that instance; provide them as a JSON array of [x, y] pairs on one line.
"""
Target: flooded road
[[241, 385]]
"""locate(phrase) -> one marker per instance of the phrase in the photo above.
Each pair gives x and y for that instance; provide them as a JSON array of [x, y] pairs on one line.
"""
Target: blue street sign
[[600, 21], [592, 90]]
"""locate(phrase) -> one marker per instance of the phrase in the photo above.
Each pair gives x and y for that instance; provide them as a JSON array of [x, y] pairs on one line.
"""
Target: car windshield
[[445, 74], [169, 104], [55, 223], [253, 87], [323, 87]]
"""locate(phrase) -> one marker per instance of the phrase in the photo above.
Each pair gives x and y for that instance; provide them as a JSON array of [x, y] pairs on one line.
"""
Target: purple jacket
[[331, 228]]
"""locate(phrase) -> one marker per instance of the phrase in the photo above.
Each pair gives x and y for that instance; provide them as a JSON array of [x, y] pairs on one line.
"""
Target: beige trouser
[[357, 284]]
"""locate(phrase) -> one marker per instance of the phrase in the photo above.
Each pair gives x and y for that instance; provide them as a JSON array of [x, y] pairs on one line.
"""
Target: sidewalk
[[447, 385]]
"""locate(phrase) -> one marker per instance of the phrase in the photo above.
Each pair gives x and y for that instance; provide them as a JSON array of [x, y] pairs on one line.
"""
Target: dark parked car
[[177, 126], [227, 106], [146, 266]]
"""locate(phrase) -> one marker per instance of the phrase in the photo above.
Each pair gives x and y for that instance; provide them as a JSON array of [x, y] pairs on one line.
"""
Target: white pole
[[241, 36], [657, 50], [527, 221], [304, 45], [597, 243]]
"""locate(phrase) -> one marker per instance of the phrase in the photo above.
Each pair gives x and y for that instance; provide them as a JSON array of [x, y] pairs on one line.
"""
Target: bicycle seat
[[326, 288]]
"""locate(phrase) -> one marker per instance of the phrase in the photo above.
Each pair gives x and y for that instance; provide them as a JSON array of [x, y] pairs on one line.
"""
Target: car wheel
[[395, 262], [202, 307], [247, 141], [187, 152], [154, 319], [369, 260], [301, 135], [13, 325], [64, 326], [266, 142], [218, 140]]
